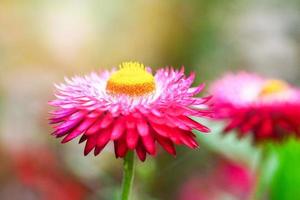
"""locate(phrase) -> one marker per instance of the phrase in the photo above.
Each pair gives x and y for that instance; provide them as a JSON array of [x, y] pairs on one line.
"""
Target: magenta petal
[[130, 122], [188, 140], [98, 149], [202, 100], [61, 132], [141, 152], [94, 114], [196, 90], [90, 144], [265, 129], [55, 121], [168, 132], [177, 111], [233, 124], [252, 122], [193, 124], [68, 124], [80, 129], [104, 137], [174, 135], [156, 112], [178, 123], [71, 136], [77, 115], [83, 138], [60, 114], [120, 148], [160, 129], [118, 129], [149, 143], [166, 144], [142, 127], [94, 128], [156, 120], [132, 138], [106, 121]]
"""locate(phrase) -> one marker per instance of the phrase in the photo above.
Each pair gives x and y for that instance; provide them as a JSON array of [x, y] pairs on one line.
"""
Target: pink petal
[[142, 127], [160, 129], [106, 121], [118, 129], [98, 149], [90, 144], [188, 140], [141, 152], [71, 136], [166, 144], [266, 129], [156, 120], [83, 138], [104, 137], [167, 132], [95, 127], [149, 143], [120, 147], [193, 124], [130, 122], [132, 138]]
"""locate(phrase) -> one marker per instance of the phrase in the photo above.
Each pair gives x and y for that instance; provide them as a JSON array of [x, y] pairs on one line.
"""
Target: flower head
[[130, 107], [268, 108]]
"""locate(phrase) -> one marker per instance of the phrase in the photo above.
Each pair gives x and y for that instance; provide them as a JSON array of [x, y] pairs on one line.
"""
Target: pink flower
[[130, 107], [267, 108], [225, 181], [40, 170]]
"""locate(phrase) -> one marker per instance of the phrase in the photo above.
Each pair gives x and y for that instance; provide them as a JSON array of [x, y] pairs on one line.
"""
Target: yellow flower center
[[272, 87], [131, 79]]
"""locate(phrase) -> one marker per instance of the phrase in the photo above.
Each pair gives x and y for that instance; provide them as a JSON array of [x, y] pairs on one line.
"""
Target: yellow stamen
[[131, 79], [273, 87]]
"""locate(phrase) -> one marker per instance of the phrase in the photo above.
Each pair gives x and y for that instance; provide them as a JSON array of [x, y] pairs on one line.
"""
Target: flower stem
[[267, 169], [128, 175]]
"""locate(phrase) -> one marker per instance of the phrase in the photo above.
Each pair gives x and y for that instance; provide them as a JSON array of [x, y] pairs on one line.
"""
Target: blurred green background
[[43, 41]]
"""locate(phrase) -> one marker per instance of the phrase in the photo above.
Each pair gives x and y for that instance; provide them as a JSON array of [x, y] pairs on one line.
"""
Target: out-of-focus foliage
[[286, 180]]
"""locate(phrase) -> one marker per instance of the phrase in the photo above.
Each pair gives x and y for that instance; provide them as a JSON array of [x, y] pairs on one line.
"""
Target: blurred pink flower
[[227, 181], [40, 170], [130, 107], [270, 109]]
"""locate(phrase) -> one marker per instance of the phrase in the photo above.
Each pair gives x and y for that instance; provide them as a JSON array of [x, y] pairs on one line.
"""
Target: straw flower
[[269, 109], [131, 108]]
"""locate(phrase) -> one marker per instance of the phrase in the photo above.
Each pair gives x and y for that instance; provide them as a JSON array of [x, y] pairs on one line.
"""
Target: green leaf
[[286, 181]]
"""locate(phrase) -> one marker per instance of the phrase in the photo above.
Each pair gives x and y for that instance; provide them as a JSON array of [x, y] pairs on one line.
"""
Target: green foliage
[[286, 180]]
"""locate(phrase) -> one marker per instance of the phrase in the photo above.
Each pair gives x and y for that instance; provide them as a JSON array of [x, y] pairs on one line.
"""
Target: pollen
[[131, 79], [272, 87]]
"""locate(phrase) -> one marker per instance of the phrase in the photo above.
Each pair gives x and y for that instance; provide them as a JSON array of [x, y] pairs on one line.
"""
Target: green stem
[[128, 175], [267, 169]]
